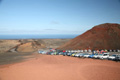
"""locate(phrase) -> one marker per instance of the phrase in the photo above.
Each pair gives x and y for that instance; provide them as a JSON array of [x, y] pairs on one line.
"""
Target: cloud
[[50, 29], [54, 22], [41, 31], [13, 31]]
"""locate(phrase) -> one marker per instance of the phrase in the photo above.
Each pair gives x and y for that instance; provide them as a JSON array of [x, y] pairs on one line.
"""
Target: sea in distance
[[41, 36]]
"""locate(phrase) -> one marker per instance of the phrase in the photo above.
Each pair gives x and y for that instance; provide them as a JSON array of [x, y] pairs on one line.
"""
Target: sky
[[56, 16]]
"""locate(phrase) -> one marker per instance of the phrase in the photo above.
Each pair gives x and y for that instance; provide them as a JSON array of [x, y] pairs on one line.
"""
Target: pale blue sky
[[56, 16]]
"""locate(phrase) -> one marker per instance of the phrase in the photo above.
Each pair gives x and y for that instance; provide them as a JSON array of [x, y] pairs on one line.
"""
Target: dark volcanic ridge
[[103, 36]]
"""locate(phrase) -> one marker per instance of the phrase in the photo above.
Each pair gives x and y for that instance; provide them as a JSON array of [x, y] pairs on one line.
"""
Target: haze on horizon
[[56, 16]]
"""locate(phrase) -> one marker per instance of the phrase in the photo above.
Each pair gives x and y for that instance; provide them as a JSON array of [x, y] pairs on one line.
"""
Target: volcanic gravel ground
[[58, 67]]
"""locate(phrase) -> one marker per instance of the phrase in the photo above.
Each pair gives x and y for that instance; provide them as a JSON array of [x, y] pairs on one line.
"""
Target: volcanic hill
[[30, 45], [103, 36]]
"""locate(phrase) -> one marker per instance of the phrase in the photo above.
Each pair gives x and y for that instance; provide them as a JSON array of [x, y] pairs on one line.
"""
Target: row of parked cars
[[106, 55]]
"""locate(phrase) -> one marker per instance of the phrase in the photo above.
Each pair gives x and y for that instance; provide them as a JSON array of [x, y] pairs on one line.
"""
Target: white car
[[86, 55], [104, 56], [77, 55], [112, 57], [97, 56]]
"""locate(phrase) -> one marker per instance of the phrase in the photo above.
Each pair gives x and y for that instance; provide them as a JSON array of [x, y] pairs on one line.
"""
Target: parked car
[[48, 53], [40, 52], [78, 54], [86, 55], [60, 53], [97, 56], [69, 54], [91, 55], [64, 53], [117, 58], [104, 56], [82, 54], [73, 54], [52, 53], [112, 57]]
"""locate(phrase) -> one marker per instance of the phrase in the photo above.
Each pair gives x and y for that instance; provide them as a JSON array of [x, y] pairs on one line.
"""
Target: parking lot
[[113, 55]]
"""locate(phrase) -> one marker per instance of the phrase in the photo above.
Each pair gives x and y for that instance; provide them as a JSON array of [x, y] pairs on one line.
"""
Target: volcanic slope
[[103, 36]]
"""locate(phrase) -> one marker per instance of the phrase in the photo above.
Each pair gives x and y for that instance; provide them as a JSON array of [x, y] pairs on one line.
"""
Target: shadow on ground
[[9, 57]]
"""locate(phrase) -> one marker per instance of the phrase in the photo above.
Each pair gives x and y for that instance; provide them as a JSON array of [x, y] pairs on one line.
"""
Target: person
[[110, 50], [93, 51], [98, 51], [105, 50], [85, 50], [89, 50], [102, 51], [64, 51]]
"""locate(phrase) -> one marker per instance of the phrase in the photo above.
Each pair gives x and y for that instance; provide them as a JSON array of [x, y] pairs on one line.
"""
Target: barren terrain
[[19, 65], [58, 67], [30, 45]]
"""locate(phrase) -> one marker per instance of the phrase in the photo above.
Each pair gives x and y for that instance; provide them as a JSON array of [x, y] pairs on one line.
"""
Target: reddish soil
[[54, 67], [104, 36]]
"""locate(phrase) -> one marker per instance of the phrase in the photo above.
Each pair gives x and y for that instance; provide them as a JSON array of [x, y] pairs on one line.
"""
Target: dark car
[[60, 53], [117, 58], [49, 53], [64, 53], [69, 54]]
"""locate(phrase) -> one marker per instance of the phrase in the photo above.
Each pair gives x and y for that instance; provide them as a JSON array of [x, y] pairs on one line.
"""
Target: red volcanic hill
[[103, 36]]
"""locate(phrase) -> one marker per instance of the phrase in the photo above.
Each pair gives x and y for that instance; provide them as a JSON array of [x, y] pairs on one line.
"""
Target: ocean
[[44, 36]]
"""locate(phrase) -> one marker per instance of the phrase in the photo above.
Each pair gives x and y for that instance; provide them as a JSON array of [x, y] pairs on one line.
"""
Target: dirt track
[[51, 67]]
